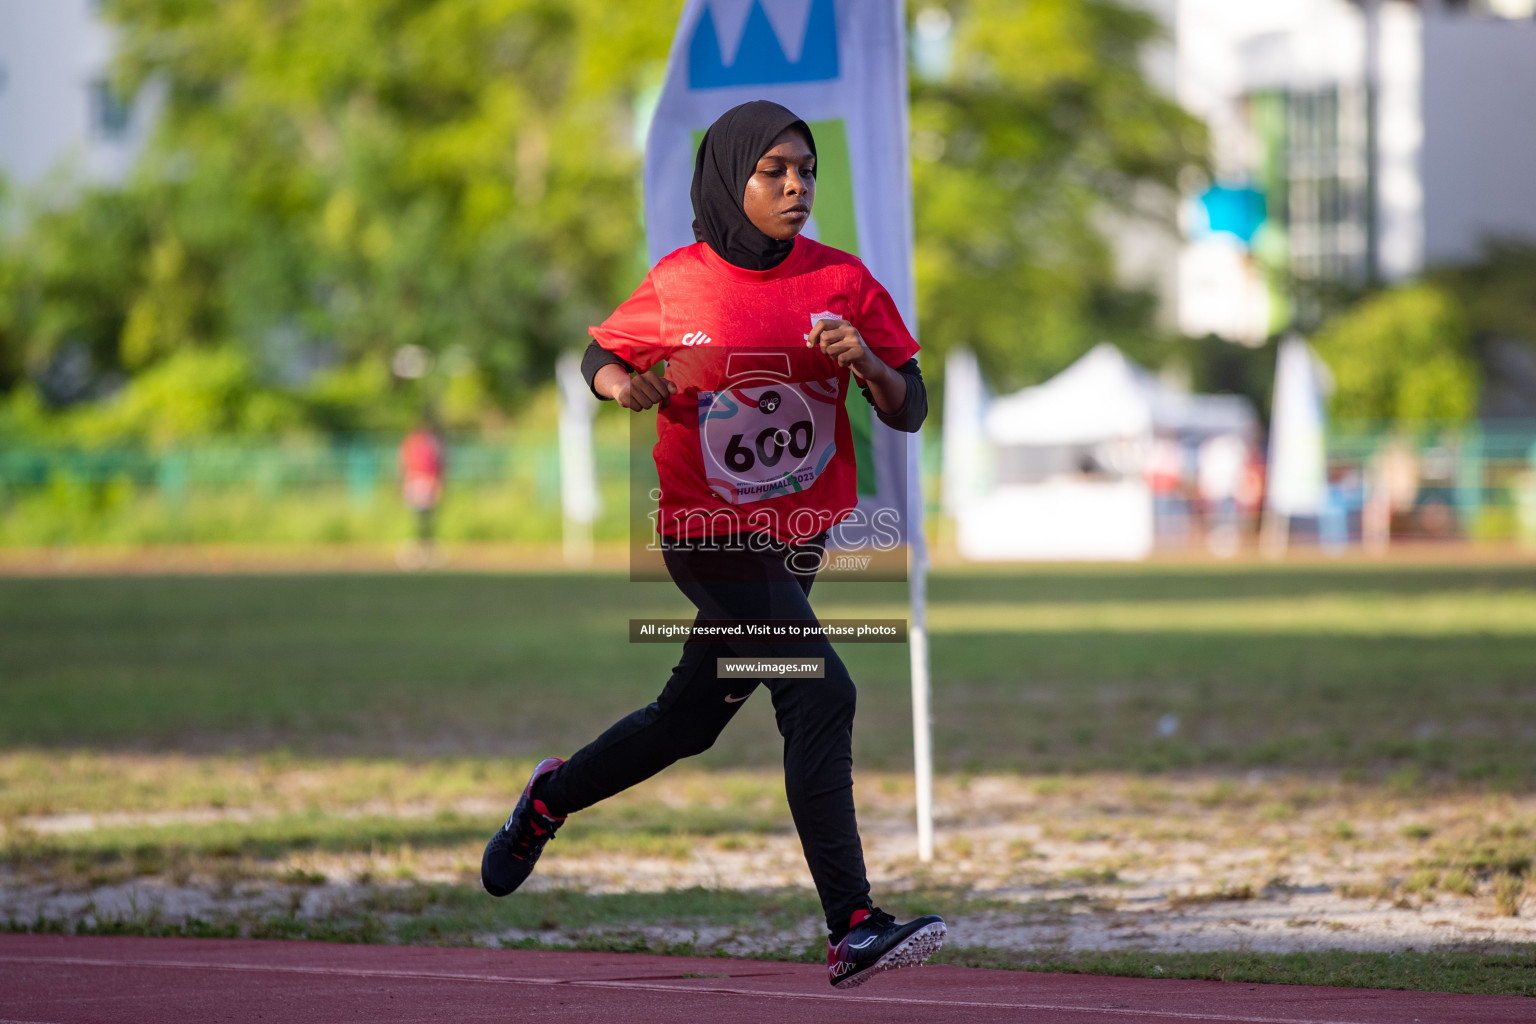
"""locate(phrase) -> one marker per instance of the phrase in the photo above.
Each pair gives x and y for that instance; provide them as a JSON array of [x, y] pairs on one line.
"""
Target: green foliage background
[[332, 179], [1402, 355], [1422, 351], [1045, 122]]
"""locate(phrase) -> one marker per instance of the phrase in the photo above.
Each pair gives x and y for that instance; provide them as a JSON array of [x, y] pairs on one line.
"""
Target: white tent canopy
[[1067, 462], [1104, 396]]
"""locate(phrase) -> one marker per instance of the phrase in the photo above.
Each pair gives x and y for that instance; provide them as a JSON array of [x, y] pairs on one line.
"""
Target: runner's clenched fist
[[636, 393], [842, 343]]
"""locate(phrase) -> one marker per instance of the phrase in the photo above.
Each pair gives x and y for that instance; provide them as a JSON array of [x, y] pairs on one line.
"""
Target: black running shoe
[[512, 851], [877, 943]]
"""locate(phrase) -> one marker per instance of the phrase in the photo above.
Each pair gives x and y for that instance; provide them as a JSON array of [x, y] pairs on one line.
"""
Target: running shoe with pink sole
[[514, 850]]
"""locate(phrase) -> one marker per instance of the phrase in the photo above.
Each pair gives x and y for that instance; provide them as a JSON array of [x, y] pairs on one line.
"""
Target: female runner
[[759, 328]]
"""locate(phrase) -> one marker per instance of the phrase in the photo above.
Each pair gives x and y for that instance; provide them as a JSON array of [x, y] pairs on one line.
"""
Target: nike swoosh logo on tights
[[736, 700]]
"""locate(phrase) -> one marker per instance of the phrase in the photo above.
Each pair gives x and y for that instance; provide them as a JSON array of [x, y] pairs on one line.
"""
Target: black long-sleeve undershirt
[[908, 418], [914, 408], [595, 358]]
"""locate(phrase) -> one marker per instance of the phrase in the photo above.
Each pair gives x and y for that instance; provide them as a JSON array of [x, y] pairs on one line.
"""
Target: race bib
[[767, 439]]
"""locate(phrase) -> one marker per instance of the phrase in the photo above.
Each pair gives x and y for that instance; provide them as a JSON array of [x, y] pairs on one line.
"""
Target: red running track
[[46, 979]]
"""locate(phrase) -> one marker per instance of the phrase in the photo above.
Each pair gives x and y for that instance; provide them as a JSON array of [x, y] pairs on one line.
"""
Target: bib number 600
[[769, 449]]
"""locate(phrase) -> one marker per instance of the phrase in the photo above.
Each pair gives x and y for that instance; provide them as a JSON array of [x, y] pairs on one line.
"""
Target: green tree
[[68, 278], [1496, 291], [333, 179], [1401, 355], [350, 177], [442, 173], [1044, 121]]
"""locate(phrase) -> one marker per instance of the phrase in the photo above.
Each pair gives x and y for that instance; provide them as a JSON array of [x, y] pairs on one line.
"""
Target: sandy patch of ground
[[1260, 863]]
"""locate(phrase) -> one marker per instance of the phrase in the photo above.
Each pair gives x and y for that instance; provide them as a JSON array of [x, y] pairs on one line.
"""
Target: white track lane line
[[491, 979]]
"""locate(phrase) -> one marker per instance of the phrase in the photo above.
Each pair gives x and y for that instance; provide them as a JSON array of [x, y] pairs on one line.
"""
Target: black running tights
[[815, 716]]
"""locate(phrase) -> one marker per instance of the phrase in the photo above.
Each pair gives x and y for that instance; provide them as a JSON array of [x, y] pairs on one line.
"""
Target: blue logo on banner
[[760, 59]]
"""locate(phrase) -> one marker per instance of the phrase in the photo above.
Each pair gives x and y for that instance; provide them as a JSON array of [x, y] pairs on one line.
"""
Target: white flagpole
[[917, 636], [917, 539]]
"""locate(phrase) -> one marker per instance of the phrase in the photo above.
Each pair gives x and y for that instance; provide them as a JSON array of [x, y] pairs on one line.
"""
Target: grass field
[[1356, 669], [321, 755]]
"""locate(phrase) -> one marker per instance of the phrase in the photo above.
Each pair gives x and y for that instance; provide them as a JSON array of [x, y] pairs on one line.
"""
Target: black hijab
[[727, 157]]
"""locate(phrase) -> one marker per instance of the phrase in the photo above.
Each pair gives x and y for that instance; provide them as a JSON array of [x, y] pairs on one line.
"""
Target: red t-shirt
[[421, 468], [421, 455], [757, 437]]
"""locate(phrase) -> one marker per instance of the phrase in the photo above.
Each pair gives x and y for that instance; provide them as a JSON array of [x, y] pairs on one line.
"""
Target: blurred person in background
[[423, 463], [1250, 490], [1164, 473], [1221, 464], [1344, 494]]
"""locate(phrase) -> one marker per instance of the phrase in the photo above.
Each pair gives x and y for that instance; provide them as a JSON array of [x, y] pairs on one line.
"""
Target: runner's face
[[780, 192]]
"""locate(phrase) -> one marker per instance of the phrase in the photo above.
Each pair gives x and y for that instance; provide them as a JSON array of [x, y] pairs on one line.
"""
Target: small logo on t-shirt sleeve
[[696, 338]]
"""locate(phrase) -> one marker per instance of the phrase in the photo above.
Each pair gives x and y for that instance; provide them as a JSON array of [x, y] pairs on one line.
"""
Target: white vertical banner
[[1298, 472], [840, 65], [965, 407], [578, 476]]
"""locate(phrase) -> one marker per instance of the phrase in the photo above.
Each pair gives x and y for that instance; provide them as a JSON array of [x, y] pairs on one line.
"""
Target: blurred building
[[58, 108], [1355, 141]]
